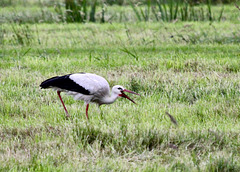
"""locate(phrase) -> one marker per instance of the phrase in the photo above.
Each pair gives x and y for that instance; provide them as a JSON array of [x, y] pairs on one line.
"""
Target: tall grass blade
[[210, 18], [143, 15], [221, 13], [176, 11], [38, 37], [170, 5], [148, 9], [134, 54], [186, 12], [93, 11], [192, 14], [161, 10], [103, 13], [84, 4], [165, 11], [26, 52], [182, 14], [202, 14], [155, 13], [135, 11], [59, 11]]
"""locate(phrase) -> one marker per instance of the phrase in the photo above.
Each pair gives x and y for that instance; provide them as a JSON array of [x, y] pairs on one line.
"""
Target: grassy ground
[[190, 70]]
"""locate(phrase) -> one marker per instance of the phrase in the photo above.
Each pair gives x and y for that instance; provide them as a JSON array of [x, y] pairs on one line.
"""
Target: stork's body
[[87, 87]]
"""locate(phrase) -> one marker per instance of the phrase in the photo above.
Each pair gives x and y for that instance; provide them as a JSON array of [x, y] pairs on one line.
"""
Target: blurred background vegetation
[[51, 11]]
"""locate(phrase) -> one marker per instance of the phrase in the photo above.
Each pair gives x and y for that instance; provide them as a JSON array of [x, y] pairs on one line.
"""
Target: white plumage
[[96, 85]]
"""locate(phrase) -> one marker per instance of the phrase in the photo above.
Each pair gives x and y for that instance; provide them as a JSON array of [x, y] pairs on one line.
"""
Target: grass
[[189, 70]]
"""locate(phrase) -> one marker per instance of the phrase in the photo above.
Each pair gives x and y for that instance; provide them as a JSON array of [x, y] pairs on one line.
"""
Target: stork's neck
[[109, 99]]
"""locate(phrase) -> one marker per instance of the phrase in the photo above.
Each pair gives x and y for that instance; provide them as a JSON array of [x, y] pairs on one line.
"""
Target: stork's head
[[119, 90]]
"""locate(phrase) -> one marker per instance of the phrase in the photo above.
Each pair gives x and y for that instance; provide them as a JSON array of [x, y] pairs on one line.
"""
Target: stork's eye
[[119, 88]]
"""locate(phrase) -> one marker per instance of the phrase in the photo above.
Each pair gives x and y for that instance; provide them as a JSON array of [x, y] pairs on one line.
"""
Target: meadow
[[190, 70]]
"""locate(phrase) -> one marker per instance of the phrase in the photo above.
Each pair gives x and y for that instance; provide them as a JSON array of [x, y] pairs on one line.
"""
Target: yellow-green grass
[[190, 70]]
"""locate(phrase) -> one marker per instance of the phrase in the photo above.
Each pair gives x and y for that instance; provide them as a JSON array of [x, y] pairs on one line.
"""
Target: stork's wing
[[93, 83], [84, 83]]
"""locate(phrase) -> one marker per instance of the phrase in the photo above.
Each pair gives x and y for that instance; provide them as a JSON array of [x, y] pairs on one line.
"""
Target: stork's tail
[[49, 82]]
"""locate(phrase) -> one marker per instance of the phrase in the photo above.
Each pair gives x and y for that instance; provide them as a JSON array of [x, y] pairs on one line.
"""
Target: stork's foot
[[67, 117]]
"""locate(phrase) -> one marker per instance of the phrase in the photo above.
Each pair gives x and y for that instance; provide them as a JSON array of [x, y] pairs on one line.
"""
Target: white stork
[[87, 87]]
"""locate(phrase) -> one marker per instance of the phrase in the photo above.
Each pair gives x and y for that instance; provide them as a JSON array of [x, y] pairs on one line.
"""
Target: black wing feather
[[65, 83]]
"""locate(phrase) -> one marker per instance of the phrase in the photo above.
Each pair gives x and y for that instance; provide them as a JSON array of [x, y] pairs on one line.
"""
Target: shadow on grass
[[126, 141]]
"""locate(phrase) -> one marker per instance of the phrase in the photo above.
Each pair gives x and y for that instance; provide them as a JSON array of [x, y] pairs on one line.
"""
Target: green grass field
[[189, 69]]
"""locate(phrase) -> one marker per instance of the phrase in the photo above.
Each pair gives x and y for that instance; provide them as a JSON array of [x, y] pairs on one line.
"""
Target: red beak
[[125, 96], [131, 92]]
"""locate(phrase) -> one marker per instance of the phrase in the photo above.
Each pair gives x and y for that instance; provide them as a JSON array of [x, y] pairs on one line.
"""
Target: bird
[[90, 88]]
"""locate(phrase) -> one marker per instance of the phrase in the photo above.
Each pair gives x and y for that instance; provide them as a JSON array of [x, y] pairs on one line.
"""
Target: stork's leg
[[67, 115], [87, 111]]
